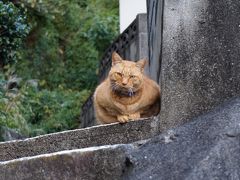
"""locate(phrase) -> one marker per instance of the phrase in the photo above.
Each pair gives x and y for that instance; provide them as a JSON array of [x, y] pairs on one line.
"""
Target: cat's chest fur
[[115, 104], [125, 104]]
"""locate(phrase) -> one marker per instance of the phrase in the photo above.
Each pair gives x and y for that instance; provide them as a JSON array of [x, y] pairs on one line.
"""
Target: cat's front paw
[[123, 118], [134, 116]]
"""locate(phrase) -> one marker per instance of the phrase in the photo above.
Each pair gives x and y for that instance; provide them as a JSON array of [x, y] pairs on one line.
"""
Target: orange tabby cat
[[126, 94]]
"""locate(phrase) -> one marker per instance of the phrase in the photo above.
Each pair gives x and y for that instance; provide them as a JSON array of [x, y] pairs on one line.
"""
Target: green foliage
[[102, 33], [61, 52], [67, 40], [52, 111], [13, 29], [33, 112], [10, 112]]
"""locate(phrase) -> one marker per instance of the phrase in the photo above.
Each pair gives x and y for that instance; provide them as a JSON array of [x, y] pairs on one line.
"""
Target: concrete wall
[[80, 138], [206, 148], [194, 52]]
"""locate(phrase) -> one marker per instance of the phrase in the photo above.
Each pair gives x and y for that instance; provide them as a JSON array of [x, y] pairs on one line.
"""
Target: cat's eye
[[119, 74], [132, 76]]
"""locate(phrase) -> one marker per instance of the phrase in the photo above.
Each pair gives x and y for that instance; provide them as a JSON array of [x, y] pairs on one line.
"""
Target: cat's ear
[[141, 64], [116, 58]]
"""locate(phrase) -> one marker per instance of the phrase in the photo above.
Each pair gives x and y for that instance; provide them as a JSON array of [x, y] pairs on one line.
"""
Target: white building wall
[[129, 10]]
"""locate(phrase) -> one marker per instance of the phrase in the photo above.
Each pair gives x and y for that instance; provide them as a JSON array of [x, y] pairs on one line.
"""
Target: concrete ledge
[[81, 138], [208, 147], [106, 162]]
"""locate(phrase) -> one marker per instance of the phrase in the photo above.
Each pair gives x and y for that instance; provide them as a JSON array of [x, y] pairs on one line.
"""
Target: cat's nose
[[124, 82]]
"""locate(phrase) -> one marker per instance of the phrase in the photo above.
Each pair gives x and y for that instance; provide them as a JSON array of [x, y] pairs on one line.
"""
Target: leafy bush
[[13, 29], [61, 52], [10, 112], [101, 33], [52, 111], [33, 112], [67, 40]]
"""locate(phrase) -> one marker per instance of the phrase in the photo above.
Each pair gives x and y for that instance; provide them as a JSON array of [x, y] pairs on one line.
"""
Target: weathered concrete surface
[[81, 138], [206, 148], [106, 163], [199, 54]]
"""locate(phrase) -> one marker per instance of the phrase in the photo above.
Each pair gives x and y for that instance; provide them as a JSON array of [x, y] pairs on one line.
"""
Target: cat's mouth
[[123, 90]]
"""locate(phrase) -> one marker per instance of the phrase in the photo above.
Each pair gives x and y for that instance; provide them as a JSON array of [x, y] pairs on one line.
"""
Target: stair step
[[106, 162], [81, 138], [206, 148]]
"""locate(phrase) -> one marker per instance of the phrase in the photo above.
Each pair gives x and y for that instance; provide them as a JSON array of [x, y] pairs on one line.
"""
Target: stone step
[[208, 147], [81, 138], [105, 162]]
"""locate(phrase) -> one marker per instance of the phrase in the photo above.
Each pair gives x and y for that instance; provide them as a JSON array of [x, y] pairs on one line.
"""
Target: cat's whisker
[[114, 86], [130, 92]]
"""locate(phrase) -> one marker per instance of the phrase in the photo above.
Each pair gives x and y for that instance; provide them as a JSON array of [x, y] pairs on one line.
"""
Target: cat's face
[[126, 76]]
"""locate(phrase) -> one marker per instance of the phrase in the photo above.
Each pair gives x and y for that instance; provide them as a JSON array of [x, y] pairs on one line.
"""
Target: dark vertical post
[[155, 12]]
